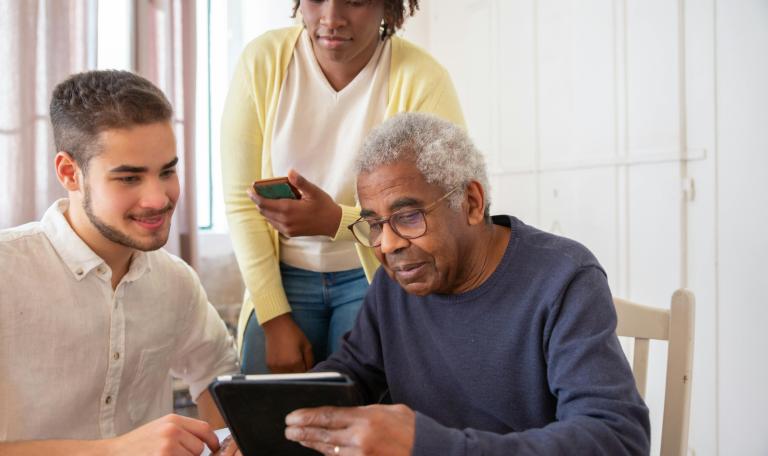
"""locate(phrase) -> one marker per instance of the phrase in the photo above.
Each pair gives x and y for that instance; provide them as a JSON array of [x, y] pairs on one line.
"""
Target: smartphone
[[276, 188]]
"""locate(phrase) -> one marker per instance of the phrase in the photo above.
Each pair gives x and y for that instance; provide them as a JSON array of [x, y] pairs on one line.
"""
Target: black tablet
[[254, 406]]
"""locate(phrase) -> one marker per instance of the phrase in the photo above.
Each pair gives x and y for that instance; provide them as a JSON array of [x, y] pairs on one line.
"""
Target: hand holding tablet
[[255, 406]]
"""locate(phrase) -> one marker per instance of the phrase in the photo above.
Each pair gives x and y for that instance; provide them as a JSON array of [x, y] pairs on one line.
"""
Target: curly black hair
[[395, 12]]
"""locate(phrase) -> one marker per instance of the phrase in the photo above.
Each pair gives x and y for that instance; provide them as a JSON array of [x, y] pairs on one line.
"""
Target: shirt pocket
[[150, 384]]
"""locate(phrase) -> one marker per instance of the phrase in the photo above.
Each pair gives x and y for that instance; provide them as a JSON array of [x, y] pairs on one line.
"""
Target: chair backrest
[[675, 325]]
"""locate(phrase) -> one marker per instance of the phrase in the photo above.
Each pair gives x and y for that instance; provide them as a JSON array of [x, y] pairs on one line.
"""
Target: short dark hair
[[89, 103], [394, 14]]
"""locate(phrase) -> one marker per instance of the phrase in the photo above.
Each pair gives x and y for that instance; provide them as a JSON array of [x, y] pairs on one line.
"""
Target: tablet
[[254, 406]]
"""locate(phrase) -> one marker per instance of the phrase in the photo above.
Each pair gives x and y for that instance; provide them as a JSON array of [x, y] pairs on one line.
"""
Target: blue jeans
[[324, 305]]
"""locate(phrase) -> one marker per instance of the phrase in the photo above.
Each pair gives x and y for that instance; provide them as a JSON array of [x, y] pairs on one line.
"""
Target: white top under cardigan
[[319, 131]]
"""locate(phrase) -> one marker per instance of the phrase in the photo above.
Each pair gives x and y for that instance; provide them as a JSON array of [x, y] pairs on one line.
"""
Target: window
[[114, 35], [223, 29]]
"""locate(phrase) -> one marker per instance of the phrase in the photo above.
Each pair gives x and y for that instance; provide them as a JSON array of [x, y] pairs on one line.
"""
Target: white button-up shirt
[[80, 360]]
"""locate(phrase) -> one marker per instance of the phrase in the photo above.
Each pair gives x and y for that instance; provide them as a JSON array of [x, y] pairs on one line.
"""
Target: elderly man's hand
[[372, 430]]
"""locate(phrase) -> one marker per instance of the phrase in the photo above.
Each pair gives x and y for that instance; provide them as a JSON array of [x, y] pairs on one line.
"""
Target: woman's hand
[[287, 348], [316, 213]]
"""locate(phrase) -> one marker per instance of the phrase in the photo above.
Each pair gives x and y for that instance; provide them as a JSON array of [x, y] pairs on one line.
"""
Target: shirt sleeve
[[599, 411], [205, 349]]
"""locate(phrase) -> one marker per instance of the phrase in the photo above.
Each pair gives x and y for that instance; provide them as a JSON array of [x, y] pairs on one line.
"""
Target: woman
[[301, 101]]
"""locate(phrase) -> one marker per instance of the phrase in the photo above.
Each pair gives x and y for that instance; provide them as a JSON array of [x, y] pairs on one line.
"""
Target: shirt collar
[[78, 257], [141, 263]]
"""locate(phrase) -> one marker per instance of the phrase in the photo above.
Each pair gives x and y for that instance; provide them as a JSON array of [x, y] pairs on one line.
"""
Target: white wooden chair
[[675, 326]]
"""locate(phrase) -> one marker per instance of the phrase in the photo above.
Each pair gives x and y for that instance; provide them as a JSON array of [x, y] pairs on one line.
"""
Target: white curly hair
[[442, 152]]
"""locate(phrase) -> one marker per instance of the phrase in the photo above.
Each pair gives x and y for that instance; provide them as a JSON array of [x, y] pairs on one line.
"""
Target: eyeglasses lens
[[407, 224]]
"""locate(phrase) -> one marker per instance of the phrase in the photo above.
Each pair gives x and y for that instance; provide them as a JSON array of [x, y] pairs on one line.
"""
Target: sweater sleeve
[[443, 100], [360, 356], [348, 216], [599, 410], [418, 83], [241, 160]]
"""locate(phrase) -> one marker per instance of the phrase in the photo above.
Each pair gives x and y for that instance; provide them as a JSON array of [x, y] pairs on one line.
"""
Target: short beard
[[117, 236]]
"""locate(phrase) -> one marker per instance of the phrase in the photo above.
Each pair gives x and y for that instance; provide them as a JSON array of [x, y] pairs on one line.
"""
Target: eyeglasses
[[406, 223]]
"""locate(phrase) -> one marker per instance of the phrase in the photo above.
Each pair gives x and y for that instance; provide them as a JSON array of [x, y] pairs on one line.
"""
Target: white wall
[[641, 129], [638, 128], [742, 224]]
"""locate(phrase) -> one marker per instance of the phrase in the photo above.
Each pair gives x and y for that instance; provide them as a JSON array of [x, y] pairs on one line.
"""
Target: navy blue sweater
[[527, 363]]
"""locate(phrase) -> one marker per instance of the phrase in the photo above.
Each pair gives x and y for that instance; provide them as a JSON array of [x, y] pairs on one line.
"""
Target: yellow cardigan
[[416, 83]]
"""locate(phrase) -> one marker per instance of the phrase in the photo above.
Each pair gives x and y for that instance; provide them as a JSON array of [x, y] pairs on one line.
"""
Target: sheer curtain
[[165, 51], [44, 41], [41, 43]]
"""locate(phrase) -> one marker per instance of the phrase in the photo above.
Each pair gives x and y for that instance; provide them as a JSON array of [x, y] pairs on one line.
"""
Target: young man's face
[[131, 187]]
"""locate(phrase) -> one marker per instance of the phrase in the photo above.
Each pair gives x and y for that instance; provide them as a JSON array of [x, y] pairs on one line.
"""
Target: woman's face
[[343, 31]]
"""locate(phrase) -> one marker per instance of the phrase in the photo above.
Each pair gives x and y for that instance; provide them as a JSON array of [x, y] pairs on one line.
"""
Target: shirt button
[[116, 356], [100, 269], [79, 271], [108, 400]]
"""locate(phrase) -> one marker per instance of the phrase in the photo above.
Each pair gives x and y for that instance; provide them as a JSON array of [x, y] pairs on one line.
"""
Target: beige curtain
[[165, 50], [41, 43], [44, 41]]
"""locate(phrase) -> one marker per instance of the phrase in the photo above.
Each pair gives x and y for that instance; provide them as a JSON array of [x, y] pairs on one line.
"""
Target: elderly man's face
[[430, 263]]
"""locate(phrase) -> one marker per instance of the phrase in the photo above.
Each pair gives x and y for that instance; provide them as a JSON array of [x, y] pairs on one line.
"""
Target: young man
[[492, 337], [94, 316]]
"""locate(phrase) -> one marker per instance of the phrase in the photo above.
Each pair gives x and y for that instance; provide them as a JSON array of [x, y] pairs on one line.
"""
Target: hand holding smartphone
[[312, 211], [276, 188]]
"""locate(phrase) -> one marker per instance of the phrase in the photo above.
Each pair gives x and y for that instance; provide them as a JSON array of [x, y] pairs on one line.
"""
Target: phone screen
[[276, 190]]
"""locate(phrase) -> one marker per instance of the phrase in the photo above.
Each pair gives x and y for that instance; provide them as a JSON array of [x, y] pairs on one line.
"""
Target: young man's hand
[[287, 348], [170, 435], [372, 430], [228, 448]]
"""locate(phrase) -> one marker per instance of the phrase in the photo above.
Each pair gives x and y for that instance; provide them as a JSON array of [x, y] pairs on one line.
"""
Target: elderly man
[[490, 336]]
